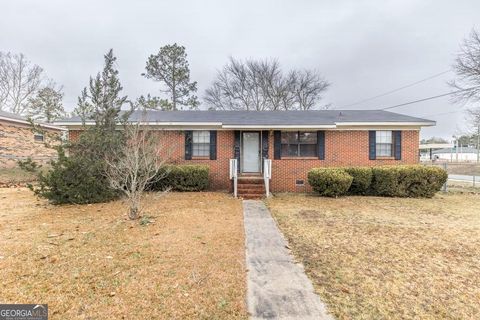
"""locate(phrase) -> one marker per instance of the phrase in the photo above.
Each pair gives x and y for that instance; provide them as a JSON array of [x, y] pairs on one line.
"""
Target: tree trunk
[[133, 213]]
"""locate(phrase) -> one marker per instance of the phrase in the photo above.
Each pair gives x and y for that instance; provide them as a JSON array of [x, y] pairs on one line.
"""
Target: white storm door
[[251, 152]]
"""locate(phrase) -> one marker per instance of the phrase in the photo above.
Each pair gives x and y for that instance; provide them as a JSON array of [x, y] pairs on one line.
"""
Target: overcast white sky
[[364, 48]]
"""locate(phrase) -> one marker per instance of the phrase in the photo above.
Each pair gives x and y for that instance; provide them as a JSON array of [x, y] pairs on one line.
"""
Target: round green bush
[[362, 179], [329, 182], [412, 181]]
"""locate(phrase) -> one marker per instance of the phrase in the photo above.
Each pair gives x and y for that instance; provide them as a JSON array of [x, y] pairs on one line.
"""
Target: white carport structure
[[427, 149]]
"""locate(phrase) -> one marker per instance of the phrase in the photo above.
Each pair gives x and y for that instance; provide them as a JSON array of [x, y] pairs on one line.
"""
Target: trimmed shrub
[[329, 182], [407, 181], [181, 178], [362, 179]]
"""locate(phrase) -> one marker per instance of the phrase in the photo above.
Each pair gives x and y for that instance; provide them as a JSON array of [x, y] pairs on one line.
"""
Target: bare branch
[[131, 168], [19, 81], [467, 84], [261, 85]]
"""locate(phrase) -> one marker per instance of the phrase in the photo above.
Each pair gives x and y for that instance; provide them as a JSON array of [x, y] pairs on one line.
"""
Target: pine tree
[[84, 109], [170, 67], [47, 105], [105, 97]]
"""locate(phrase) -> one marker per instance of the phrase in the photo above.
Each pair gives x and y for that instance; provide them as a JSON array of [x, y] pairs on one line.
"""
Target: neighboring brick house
[[19, 140], [295, 141]]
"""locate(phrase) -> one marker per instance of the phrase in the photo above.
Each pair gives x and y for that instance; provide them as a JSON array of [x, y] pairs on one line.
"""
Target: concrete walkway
[[277, 287]]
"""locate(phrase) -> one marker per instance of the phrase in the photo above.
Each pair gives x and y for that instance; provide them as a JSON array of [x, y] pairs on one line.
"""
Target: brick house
[[20, 140], [294, 141]]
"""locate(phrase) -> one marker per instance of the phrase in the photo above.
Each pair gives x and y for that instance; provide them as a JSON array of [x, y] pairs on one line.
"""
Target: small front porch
[[251, 186], [250, 169]]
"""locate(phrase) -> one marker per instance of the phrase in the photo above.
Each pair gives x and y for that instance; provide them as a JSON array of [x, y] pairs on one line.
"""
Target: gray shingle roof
[[13, 117], [278, 118], [10, 115]]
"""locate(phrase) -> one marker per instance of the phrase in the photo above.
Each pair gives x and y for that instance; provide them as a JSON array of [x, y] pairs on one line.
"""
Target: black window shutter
[[397, 139], [188, 145], [213, 145], [236, 150], [321, 144], [277, 144], [372, 152], [264, 145]]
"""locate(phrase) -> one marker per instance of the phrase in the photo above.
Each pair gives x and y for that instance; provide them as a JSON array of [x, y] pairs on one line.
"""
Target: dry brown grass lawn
[[387, 258], [15, 175], [89, 262]]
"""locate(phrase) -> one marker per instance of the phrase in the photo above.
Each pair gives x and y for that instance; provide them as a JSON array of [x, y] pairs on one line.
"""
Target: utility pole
[[478, 142], [456, 149]]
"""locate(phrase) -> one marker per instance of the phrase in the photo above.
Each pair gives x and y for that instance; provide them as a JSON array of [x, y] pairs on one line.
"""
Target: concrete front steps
[[250, 187]]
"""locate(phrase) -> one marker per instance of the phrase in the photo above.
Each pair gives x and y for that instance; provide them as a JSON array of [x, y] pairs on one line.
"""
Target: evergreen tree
[[80, 177], [152, 103], [170, 67], [105, 96], [47, 104], [83, 109]]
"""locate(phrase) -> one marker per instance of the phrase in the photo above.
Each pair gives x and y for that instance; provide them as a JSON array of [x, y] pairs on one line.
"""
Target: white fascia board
[[422, 124], [167, 124], [279, 126], [38, 124], [182, 124]]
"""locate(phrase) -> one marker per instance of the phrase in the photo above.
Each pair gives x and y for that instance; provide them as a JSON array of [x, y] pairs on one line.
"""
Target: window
[[384, 144], [38, 137], [201, 143], [299, 144]]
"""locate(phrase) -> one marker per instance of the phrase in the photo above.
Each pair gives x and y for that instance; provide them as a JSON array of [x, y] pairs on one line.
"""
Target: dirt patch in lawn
[[387, 258], [185, 260]]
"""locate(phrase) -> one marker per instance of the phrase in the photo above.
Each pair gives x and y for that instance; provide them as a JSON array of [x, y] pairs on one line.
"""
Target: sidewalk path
[[277, 287]]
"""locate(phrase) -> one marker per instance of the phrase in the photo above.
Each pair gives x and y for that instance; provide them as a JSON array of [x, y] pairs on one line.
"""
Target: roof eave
[[387, 123], [43, 125], [279, 126]]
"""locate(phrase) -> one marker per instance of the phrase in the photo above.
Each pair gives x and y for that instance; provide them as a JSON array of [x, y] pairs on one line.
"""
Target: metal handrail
[[234, 175], [267, 174]]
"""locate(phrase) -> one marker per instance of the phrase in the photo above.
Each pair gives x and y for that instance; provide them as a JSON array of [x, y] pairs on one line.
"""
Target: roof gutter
[[147, 123], [39, 124], [290, 126], [420, 123], [239, 126]]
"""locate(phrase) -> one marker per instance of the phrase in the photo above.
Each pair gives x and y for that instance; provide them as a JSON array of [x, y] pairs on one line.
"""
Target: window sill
[[200, 158], [299, 158], [385, 158]]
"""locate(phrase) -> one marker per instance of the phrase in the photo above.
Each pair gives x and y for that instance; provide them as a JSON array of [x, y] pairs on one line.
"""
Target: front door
[[251, 152]]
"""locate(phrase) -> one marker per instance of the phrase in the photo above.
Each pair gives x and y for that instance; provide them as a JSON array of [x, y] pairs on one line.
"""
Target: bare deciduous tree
[[467, 84], [131, 167], [308, 89], [19, 81], [262, 85]]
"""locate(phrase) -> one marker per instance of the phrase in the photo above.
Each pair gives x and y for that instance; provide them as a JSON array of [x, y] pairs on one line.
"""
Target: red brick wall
[[173, 148], [342, 148]]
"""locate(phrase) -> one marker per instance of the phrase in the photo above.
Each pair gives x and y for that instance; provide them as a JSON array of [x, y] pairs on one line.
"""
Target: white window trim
[[378, 134], [198, 133]]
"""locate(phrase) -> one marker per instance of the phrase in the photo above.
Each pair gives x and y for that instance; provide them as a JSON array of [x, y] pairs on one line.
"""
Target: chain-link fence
[[463, 174]]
